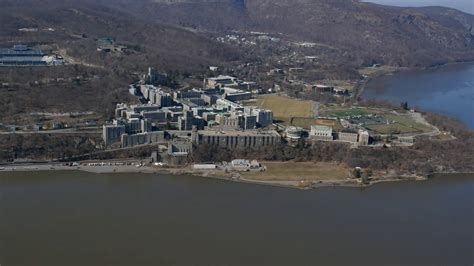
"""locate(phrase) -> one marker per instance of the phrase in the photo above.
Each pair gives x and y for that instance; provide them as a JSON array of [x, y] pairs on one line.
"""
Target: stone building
[[264, 117], [321, 133], [227, 122], [363, 137], [179, 152], [142, 139], [247, 122], [111, 133], [145, 126], [163, 99], [294, 133], [154, 116], [237, 139], [348, 137], [221, 81], [186, 121]]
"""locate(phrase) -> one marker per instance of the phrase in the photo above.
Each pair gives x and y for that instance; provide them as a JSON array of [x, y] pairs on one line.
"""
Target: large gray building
[[163, 99], [247, 122], [21, 55], [142, 138], [111, 133], [264, 117], [348, 137], [154, 116], [144, 107], [237, 139], [186, 121]]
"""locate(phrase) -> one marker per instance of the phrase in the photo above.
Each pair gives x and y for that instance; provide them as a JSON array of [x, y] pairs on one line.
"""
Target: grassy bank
[[300, 171]]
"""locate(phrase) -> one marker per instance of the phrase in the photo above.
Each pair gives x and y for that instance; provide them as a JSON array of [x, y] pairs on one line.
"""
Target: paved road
[[59, 131], [73, 61], [316, 109]]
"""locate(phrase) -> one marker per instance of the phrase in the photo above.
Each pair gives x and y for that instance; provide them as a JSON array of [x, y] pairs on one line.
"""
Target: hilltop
[[75, 27]]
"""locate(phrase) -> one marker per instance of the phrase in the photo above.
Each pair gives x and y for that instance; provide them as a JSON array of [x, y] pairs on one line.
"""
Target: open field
[[372, 70], [284, 107], [349, 112], [299, 171], [378, 120], [341, 83]]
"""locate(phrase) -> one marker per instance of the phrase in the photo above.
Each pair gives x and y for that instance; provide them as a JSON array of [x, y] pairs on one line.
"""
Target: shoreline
[[363, 86], [220, 175]]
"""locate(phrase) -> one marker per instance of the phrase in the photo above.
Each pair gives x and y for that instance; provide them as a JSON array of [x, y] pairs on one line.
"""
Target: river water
[[78, 218], [447, 90]]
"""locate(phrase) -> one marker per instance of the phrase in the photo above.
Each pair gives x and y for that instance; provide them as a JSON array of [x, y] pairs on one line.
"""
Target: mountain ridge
[[393, 35]]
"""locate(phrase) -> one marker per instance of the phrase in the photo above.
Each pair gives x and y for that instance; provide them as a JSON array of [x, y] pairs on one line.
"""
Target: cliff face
[[396, 36]]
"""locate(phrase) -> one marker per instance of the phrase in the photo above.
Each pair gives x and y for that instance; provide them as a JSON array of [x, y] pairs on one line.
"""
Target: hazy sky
[[463, 5]]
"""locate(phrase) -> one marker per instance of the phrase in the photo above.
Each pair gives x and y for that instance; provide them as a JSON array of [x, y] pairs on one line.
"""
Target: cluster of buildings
[[238, 165], [209, 115], [107, 44], [326, 133], [22, 55]]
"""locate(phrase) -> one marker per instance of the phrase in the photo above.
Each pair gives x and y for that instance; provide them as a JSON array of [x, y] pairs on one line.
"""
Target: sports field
[[349, 112]]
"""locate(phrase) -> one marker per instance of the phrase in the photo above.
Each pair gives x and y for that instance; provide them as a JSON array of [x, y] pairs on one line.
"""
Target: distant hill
[[170, 30], [78, 24], [97, 80], [180, 36], [390, 35]]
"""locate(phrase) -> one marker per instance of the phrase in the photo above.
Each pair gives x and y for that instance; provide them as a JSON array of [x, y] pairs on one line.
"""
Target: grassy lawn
[[283, 107], [391, 129], [372, 70], [403, 124], [299, 171], [342, 83]]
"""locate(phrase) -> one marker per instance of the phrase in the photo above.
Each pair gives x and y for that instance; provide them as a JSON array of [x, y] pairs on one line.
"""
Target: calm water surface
[[75, 218], [448, 90]]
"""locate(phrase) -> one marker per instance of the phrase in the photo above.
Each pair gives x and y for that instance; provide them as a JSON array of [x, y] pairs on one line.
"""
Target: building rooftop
[[236, 133], [321, 128], [187, 103], [20, 50], [222, 78]]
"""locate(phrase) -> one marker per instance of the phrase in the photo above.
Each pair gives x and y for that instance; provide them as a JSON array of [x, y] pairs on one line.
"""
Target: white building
[[321, 133], [204, 166], [364, 137], [240, 165], [294, 133]]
